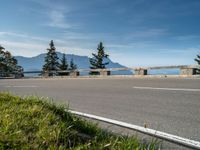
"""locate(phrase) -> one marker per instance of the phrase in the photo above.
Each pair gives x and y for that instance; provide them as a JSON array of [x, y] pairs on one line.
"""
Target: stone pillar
[[74, 73], [140, 71], [104, 73], [188, 71], [46, 74]]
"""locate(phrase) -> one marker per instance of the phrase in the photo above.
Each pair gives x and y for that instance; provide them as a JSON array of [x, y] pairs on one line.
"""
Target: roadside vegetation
[[34, 123], [9, 65]]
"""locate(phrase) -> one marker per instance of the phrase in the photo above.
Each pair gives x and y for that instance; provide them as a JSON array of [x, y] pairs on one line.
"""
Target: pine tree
[[198, 61], [63, 65], [98, 60], [72, 65], [51, 59]]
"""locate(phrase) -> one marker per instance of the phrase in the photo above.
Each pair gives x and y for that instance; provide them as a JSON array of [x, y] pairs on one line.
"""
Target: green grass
[[34, 123]]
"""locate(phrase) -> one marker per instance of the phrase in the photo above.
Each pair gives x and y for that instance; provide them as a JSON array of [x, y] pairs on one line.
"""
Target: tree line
[[52, 63]]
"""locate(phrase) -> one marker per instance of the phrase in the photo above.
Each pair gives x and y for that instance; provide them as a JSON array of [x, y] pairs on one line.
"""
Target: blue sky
[[134, 32]]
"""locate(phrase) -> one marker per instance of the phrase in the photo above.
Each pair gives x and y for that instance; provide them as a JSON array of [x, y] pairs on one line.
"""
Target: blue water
[[164, 72]]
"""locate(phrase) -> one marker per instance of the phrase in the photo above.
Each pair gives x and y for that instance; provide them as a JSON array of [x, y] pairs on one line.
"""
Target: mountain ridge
[[35, 63]]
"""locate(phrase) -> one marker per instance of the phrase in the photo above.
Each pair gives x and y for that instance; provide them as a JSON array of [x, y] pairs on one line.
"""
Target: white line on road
[[166, 136], [21, 86], [167, 89]]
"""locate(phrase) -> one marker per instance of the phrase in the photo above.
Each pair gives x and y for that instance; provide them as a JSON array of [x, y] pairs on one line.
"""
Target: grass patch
[[34, 123]]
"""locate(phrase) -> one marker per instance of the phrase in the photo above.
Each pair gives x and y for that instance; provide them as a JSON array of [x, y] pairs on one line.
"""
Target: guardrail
[[186, 70], [162, 135]]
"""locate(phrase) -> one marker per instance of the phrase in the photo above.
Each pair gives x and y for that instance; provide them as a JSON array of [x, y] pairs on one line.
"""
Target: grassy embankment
[[33, 123]]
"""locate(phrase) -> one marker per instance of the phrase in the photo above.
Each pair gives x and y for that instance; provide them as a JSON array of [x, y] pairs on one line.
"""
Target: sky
[[134, 32]]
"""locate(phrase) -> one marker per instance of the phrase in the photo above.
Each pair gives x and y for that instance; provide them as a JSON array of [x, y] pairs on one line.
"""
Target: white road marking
[[21, 86], [167, 89], [166, 136]]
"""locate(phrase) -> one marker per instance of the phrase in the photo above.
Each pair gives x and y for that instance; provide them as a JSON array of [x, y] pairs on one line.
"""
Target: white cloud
[[57, 19]]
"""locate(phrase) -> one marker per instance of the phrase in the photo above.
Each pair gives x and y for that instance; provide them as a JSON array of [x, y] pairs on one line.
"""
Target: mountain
[[82, 62]]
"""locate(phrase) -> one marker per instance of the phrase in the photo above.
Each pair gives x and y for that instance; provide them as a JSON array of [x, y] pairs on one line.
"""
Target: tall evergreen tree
[[51, 59], [63, 64], [198, 61], [97, 62], [72, 65]]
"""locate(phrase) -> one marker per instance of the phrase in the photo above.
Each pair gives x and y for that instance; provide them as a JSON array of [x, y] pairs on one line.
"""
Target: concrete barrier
[[140, 71], [188, 71], [104, 73]]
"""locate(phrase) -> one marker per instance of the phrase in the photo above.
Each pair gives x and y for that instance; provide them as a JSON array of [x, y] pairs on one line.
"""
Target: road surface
[[171, 105]]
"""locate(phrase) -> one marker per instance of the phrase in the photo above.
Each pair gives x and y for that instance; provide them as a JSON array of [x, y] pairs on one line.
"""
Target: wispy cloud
[[56, 14], [186, 37], [26, 45], [23, 36], [31, 49], [68, 35], [51, 4], [191, 51], [23, 49], [58, 19]]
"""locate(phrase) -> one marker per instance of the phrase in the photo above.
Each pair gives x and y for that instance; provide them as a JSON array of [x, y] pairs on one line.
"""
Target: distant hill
[[82, 62]]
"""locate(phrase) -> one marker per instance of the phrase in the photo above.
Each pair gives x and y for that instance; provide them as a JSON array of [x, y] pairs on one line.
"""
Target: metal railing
[[184, 70], [141, 71]]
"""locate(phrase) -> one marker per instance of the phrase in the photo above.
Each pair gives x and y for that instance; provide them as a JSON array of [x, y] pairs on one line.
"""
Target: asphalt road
[[169, 105]]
